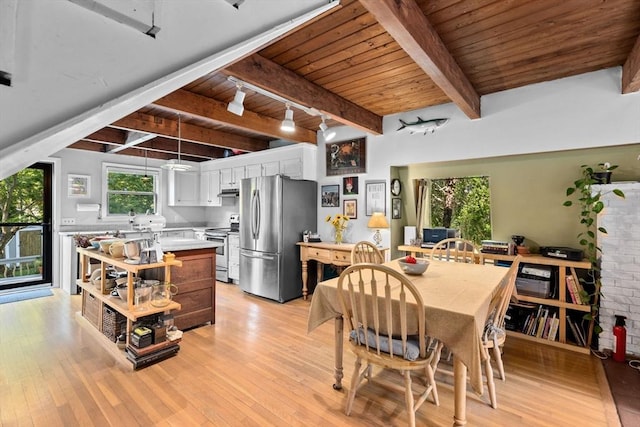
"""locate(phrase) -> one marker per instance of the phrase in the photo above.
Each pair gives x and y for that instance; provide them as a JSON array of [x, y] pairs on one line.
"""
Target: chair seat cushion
[[413, 348]]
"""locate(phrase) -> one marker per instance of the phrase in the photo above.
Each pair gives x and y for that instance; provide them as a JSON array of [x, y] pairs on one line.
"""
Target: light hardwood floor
[[257, 366]]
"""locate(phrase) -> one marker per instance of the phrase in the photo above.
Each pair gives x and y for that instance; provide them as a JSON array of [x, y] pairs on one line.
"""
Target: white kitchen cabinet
[[252, 171], [210, 188], [230, 177], [291, 168], [234, 257], [262, 169], [270, 168], [184, 188]]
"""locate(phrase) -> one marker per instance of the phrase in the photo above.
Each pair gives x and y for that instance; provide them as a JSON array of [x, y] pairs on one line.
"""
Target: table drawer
[[341, 257], [322, 255]]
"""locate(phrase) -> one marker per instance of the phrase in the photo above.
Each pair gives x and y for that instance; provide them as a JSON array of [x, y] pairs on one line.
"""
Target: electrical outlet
[[68, 221]]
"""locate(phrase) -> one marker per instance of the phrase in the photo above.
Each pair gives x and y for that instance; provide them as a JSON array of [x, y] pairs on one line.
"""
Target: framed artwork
[[375, 197], [350, 208], [396, 208], [350, 186], [346, 157], [330, 196], [78, 185]]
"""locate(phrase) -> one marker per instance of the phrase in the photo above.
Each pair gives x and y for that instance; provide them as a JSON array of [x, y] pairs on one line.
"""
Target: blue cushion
[[413, 349]]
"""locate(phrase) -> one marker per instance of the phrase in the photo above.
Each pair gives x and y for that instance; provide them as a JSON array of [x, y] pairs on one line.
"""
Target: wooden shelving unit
[[100, 296], [562, 302]]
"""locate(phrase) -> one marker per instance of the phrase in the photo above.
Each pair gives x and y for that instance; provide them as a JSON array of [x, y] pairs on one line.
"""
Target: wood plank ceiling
[[370, 58]]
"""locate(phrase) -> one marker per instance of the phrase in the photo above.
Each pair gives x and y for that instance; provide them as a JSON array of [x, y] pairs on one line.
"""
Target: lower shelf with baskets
[[113, 323]]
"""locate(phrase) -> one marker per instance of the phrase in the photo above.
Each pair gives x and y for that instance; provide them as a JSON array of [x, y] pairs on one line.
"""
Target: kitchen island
[[190, 265]]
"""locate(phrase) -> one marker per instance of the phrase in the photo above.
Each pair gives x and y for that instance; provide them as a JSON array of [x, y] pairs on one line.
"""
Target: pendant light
[[173, 164], [145, 177]]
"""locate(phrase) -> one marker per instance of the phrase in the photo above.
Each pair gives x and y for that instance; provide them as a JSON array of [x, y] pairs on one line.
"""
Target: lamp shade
[[378, 220], [237, 105]]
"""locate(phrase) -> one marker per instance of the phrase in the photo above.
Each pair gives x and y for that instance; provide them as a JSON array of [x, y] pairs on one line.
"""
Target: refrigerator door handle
[[250, 254], [256, 214]]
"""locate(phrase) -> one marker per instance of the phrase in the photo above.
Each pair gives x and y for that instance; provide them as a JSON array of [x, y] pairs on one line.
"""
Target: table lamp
[[378, 221]]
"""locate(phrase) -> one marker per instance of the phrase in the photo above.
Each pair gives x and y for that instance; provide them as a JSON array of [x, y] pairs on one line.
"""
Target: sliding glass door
[[25, 227]]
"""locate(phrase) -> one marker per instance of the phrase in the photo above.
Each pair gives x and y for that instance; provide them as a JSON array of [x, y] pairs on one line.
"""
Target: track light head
[[327, 133], [237, 105], [288, 125]]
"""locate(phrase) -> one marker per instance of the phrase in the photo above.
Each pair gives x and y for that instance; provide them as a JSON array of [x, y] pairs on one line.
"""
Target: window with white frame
[[129, 189]]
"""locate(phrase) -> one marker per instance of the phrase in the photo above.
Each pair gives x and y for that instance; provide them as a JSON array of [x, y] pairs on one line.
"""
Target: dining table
[[456, 300]]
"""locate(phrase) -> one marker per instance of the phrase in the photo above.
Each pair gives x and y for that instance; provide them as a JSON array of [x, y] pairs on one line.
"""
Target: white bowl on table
[[416, 269]]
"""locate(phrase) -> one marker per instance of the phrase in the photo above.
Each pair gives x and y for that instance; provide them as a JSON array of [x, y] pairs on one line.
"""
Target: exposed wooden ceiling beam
[[631, 70], [275, 78], [189, 132], [411, 29], [216, 111]]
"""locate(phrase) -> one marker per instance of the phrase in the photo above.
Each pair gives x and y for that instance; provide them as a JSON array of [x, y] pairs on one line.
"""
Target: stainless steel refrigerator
[[274, 211]]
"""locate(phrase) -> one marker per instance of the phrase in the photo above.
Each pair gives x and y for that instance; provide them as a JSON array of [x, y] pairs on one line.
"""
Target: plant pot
[[602, 177]]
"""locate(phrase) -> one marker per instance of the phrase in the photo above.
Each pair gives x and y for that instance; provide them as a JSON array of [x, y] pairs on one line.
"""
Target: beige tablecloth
[[456, 297]]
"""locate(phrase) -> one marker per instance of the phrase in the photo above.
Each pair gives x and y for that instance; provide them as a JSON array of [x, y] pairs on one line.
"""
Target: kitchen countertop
[[172, 244]]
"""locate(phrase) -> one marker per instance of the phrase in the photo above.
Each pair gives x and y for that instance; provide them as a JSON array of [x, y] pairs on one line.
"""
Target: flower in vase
[[339, 223]]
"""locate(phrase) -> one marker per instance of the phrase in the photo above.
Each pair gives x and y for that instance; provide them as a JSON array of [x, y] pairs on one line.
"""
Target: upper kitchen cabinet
[[230, 177], [184, 188], [297, 161], [210, 188]]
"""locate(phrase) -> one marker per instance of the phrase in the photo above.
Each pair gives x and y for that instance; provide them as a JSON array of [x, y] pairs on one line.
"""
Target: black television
[[431, 236]]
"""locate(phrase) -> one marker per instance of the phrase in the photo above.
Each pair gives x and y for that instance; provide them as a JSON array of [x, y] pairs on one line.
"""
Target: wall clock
[[396, 187]]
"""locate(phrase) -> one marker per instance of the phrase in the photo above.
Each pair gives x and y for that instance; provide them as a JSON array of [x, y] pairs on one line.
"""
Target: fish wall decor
[[422, 126]]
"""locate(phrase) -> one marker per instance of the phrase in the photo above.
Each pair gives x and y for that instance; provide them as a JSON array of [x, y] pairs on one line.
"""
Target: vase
[[338, 236]]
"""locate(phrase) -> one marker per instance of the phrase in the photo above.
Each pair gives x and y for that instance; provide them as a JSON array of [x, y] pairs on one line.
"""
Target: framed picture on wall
[[396, 208], [375, 197], [350, 186], [330, 196], [346, 157], [350, 208], [78, 185]]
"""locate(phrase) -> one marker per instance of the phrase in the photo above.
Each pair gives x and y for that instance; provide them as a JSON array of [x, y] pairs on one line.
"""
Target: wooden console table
[[325, 253]]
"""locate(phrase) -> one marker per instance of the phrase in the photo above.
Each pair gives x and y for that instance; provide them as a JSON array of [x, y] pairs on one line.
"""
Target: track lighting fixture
[[174, 164], [327, 133], [236, 106], [288, 125]]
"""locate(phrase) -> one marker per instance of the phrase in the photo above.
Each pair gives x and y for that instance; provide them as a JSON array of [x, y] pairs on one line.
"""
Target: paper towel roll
[[88, 207]]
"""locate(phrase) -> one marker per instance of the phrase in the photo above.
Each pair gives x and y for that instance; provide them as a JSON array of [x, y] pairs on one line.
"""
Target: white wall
[[576, 112], [72, 63], [89, 163]]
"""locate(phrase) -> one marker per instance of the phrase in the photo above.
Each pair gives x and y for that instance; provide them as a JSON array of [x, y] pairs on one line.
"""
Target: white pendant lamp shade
[[237, 105], [288, 124], [174, 164]]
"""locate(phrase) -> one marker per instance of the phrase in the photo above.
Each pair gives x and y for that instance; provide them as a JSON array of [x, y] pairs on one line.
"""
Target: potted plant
[[590, 204]]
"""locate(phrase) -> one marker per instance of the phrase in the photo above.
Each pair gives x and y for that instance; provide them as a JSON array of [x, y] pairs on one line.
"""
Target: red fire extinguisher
[[619, 340]]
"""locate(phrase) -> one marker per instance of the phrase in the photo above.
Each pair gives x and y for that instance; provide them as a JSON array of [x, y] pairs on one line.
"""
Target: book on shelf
[[575, 330], [553, 328], [574, 289]]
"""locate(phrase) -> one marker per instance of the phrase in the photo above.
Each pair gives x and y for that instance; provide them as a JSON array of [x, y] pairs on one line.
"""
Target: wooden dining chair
[[365, 251], [455, 249], [494, 334], [387, 330]]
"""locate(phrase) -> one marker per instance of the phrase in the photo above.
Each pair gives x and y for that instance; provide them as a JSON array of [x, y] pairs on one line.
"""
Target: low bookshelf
[[556, 320]]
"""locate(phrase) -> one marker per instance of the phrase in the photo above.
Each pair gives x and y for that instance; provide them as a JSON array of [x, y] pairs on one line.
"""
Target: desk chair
[[371, 339], [455, 249], [365, 251]]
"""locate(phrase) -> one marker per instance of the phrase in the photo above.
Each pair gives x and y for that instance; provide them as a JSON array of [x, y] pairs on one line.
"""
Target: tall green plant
[[590, 204]]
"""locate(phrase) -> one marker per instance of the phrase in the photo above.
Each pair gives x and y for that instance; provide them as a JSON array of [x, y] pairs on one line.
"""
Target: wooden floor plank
[[257, 366]]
